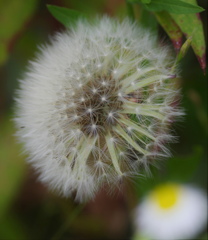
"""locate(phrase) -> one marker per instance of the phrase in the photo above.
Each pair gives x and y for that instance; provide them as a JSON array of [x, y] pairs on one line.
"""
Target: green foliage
[[130, 10], [192, 27], [205, 237], [14, 14], [171, 28], [64, 15], [178, 169], [172, 6], [184, 49], [89, 7], [138, 236], [177, 18], [182, 169], [148, 20], [12, 166], [12, 229], [146, 1]]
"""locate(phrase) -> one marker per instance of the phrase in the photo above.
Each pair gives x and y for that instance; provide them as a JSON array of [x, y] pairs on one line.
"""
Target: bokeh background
[[27, 209]]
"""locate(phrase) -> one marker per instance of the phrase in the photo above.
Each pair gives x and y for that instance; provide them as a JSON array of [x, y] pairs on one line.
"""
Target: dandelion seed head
[[102, 89]]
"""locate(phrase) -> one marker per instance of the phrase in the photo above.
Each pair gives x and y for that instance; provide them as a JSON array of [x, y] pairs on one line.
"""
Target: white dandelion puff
[[172, 212], [94, 92]]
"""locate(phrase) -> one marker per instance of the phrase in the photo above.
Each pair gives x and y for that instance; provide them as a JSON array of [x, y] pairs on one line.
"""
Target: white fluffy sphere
[[95, 105]]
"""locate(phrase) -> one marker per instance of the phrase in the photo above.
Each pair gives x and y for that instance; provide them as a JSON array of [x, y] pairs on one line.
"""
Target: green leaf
[[184, 49], [148, 20], [170, 27], [12, 228], [12, 166], [139, 236], [88, 7], [174, 6], [177, 169], [64, 15], [191, 25], [146, 184], [3, 52], [130, 10], [146, 1], [182, 169], [13, 14], [205, 237], [182, 53]]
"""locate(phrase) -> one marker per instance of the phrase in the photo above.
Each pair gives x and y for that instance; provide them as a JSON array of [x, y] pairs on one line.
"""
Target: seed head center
[[97, 105]]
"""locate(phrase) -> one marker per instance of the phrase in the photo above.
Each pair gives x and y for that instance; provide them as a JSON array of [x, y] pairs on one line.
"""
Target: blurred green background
[[27, 209]]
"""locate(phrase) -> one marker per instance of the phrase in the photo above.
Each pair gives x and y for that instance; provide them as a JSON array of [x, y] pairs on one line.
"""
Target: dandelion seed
[[94, 90], [110, 114], [104, 83], [62, 107], [76, 116], [115, 71], [103, 98]]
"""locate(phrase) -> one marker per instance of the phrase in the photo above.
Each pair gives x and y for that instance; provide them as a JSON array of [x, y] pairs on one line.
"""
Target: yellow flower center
[[166, 196]]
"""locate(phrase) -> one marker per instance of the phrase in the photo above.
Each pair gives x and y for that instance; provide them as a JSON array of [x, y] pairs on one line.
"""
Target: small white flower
[[87, 79], [172, 212]]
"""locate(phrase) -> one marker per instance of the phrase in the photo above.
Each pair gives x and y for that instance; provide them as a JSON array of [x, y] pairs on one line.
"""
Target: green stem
[[182, 52], [68, 221]]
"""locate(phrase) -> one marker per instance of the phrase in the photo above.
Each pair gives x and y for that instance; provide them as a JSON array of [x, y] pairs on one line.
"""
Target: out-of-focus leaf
[[138, 236], [183, 168], [172, 6], [177, 169], [182, 53], [3, 53], [200, 110], [184, 49], [171, 28], [130, 10], [191, 26], [146, 1], [12, 166], [145, 184], [13, 15], [64, 15], [88, 7], [148, 20], [12, 229], [205, 237]]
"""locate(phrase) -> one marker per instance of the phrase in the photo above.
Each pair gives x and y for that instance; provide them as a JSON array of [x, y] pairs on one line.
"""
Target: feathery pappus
[[97, 104]]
